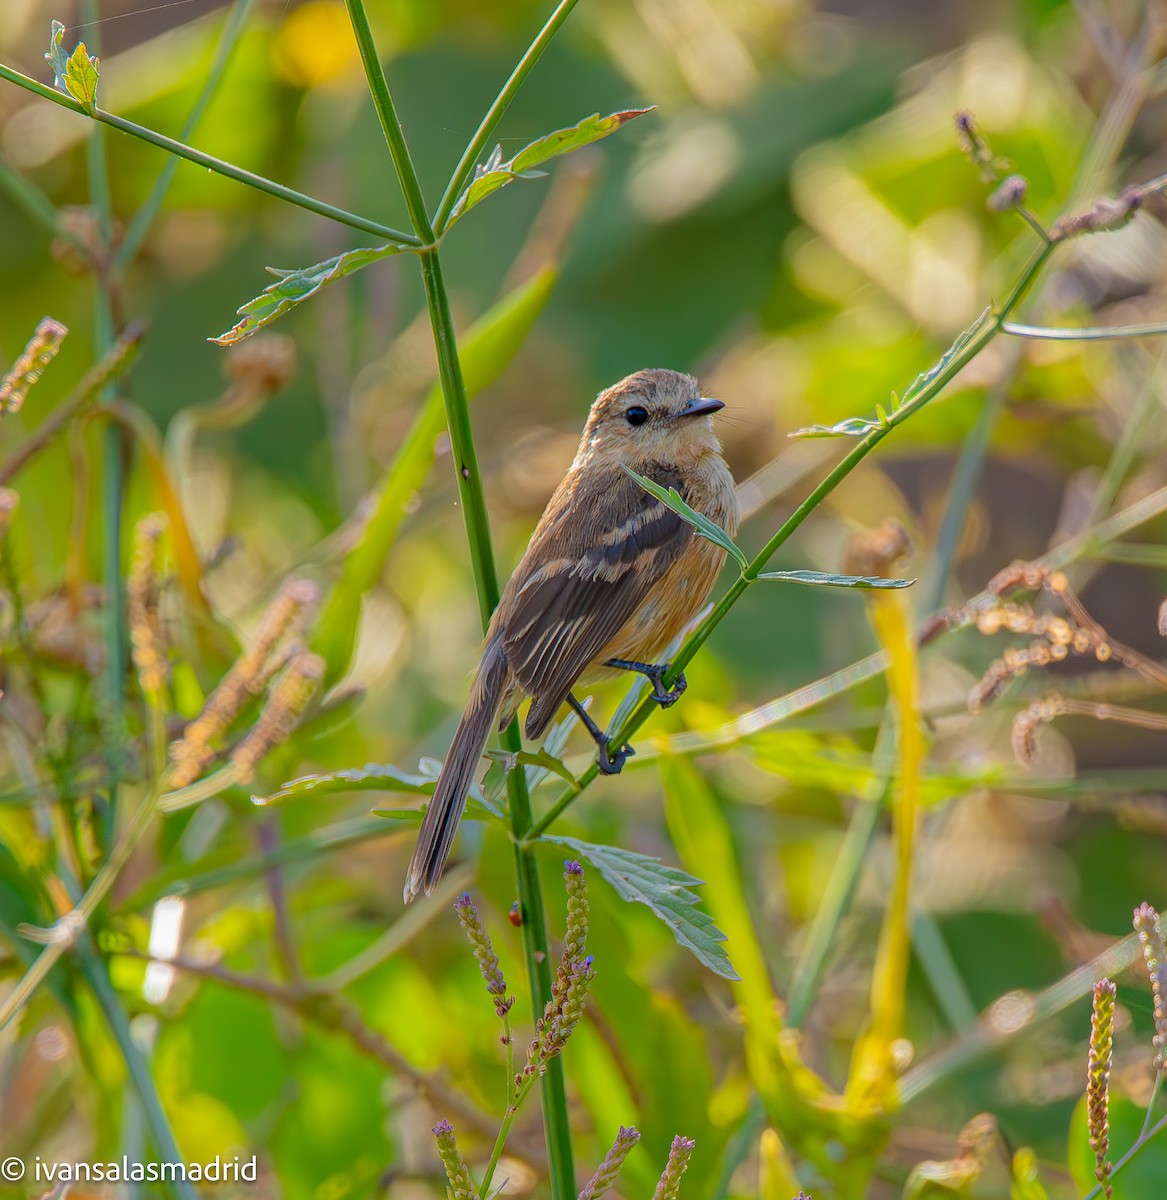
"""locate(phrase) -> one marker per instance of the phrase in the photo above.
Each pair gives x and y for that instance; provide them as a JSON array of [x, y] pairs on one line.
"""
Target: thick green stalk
[[536, 943], [268, 186], [149, 210], [495, 113]]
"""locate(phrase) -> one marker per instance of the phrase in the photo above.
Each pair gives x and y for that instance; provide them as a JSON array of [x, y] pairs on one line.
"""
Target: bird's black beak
[[701, 407]]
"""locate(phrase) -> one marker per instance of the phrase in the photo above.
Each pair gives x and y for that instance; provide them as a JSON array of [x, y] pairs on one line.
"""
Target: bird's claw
[[613, 764], [667, 697]]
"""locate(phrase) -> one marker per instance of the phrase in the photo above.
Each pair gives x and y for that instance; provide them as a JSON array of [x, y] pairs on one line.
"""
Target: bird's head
[[652, 416]]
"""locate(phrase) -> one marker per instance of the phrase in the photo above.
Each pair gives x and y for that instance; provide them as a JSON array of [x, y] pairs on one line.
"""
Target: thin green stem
[[1132, 1153], [964, 482], [1151, 1103], [836, 901], [998, 1026], [462, 447], [1088, 333], [229, 170], [27, 196], [500, 1141], [495, 113], [139, 1071], [63, 935], [113, 482], [536, 943], [145, 215], [390, 124]]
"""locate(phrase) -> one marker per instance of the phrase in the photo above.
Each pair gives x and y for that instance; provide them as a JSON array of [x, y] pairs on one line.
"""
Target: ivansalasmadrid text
[[216, 1170]]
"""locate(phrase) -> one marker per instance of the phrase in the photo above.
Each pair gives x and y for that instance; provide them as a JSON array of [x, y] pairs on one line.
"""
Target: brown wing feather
[[604, 543]]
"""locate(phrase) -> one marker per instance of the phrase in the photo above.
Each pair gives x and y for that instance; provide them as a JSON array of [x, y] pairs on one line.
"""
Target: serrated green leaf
[[851, 427], [294, 287], [663, 889], [379, 777], [376, 777], [494, 174], [823, 579], [77, 73], [708, 529]]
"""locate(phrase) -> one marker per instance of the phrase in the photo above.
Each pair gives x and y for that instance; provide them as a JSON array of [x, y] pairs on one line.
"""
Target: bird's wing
[[601, 546]]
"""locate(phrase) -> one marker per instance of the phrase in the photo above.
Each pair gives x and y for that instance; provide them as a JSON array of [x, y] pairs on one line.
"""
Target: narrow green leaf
[[375, 777], [379, 777], [708, 529], [294, 287], [495, 174], [822, 579], [76, 73], [488, 348], [851, 427], [666, 891]]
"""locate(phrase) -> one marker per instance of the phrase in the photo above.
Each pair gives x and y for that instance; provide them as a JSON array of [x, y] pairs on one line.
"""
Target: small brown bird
[[610, 577]]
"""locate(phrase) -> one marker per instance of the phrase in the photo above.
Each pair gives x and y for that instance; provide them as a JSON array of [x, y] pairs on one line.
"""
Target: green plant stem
[[504, 1131], [836, 901], [64, 934], [1133, 1152], [1089, 333], [229, 170], [113, 482], [997, 1027], [35, 203], [536, 944], [390, 125], [97, 977], [145, 215], [495, 113]]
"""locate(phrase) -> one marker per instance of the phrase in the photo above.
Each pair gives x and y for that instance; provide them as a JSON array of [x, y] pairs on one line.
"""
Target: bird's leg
[[665, 697], [609, 763]]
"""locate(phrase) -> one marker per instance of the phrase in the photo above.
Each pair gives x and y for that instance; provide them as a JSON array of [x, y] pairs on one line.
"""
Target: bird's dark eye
[[636, 415]]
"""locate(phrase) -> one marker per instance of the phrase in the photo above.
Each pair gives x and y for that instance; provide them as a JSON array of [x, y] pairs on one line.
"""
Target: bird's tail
[[449, 798]]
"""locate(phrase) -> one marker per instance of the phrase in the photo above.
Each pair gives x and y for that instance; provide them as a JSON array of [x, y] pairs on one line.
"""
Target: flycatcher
[[610, 577]]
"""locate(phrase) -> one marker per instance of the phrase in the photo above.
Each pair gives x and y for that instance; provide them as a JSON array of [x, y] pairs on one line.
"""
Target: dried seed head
[[78, 243], [670, 1181], [609, 1169], [876, 551], [143, 593], [263, 363], [1098, 1078], [278, 717], [461, 1185], [248, 676], [471, 921], [1146, 923], [42, 348]]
